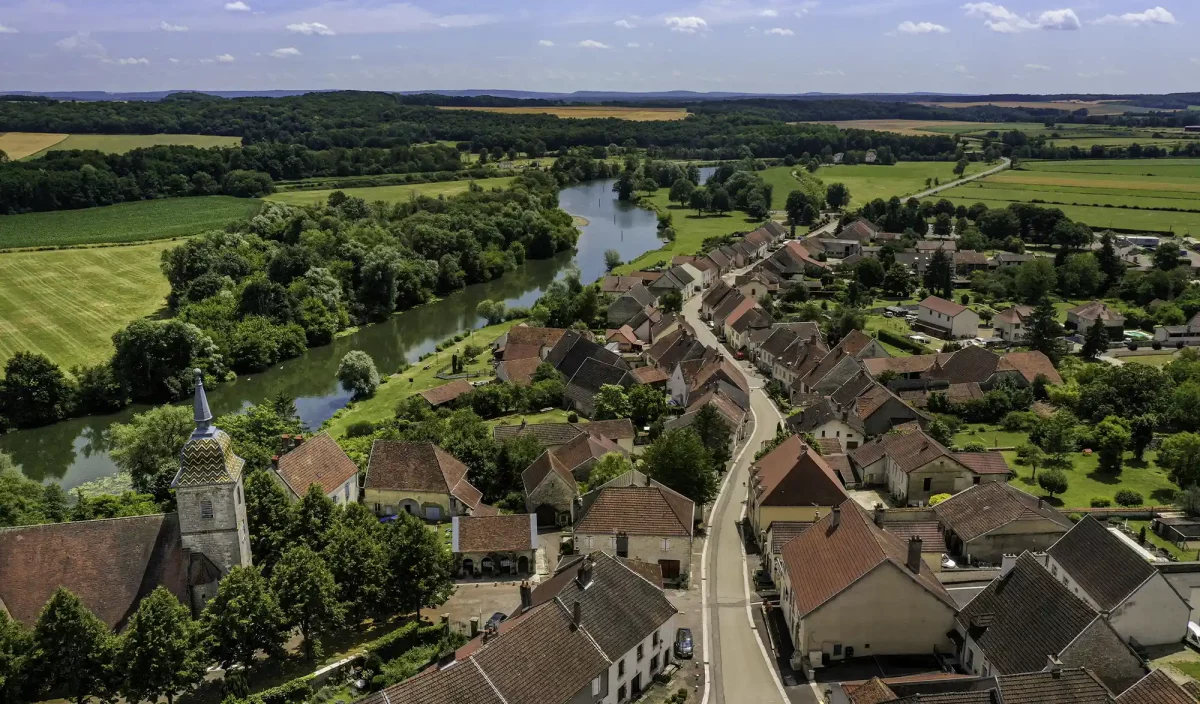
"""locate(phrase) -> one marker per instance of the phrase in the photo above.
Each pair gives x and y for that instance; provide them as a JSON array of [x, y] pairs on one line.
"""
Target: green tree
[[357, 373], [1167, 256], [1035, 280], [1044, 332], [417, 564], [516, 453], [16, 643], [1095, 343], [714, 432], [837, 195], [154, 359], [1141, 433], [939, 430], [1179, 454], [670, 302], [1053, 481], [1112, 437], [1033, 456], [148, 447], [796, 201], [34, 391], [546, 372], [961, 167], [719, 199], [312, 518], [607, 468], [72, 649], [939, 275], [162, 650], [1056, 435], [611, 402], [1187, 500], [943, 225], [646, 404], [699, 201], [612, 260], [268, 518], [679, 459], [354, 555], [898, 281], [244, 617], [308, 595], [1109, 261], [869, 273], [681, 191], [494, 311]]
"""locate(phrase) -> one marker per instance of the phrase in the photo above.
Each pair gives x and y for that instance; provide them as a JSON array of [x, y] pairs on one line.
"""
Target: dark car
[[494, 621], [683, 643]]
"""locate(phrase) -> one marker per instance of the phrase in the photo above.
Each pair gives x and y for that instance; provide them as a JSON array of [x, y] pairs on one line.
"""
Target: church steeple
[[203, 415]]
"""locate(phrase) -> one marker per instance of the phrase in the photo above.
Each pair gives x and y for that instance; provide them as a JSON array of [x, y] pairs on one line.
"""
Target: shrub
[[1015, 421], [360, 429], [974, 446], [357, 373], [1052, 481], [1101, 502], [572, 417], [938, 498], [901, 341], [1075, 517], [1127, 497]]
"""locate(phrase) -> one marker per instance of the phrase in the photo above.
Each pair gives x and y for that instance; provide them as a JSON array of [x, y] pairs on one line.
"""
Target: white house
[[1175, 335], [1011, 325], [947, 318]]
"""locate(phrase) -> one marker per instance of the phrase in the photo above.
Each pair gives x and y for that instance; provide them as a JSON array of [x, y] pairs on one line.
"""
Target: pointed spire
[[203, 415]]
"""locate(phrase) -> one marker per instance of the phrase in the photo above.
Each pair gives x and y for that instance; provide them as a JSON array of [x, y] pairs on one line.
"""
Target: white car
[[947, 562], [919, 338]]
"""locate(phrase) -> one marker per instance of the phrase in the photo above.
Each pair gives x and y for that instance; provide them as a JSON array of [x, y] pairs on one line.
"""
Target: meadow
[[869, 181], [590, 111], [910, 127], [18, 145], [121, 143], [1094, 107], [388, 193], [125, 222], [67, 303], [690, 230], [1128, 194]]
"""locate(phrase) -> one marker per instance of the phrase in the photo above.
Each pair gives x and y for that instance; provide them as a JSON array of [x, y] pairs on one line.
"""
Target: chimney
[[914, 553], [285, 443], [274, 461], [837, 516], [879, 515], [577, 615], [584, 575], [297, 441], [1054, 665], [812, 339], [526, 596]]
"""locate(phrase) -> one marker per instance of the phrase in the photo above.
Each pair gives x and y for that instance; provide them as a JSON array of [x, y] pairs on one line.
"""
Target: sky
[[766, 46]]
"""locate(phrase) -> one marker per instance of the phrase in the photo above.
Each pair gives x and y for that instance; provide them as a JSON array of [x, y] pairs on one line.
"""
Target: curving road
[[1005, 162]]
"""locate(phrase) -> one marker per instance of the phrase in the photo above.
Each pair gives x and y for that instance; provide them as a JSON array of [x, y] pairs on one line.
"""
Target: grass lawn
[[870, 181], [388, 193], [423, 376], [556, 416], [67, 303], [991, 436], [1085, 481], [121, 143], [125, 222], [1151, 537], [1150, 360], [898, 326], [690, 230]]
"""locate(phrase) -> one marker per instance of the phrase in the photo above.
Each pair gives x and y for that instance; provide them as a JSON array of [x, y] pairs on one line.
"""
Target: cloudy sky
[[1028, 46]]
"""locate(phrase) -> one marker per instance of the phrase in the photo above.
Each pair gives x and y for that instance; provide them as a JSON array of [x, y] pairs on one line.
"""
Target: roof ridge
[[582, 629], [484, 674]]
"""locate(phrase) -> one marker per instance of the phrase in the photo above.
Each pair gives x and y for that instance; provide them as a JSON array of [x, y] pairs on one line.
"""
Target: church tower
[[208, 492]]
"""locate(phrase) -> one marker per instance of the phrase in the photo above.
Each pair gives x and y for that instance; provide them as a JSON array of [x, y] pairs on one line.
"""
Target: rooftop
[[515, 532], [984, 508], [318, 460], [1103, 566]]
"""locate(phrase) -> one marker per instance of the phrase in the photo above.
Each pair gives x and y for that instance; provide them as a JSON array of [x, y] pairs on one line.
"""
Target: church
[[112, 564]]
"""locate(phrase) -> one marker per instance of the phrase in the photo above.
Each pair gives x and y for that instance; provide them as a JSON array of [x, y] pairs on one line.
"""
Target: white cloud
[[961, 69], [687, 25], [592, 44], [83, 44], [310, 28], [805, 7], [780, 31], [226, 58], [131, 61], [168, 27], [1000, 19], [545, 42], [174, 61], [769, 13], [1154, 15], [285, 52], [632, 45], [907, 27], [356, 57], [624, 24], [7, 30], [1036, 67], [237, 6]]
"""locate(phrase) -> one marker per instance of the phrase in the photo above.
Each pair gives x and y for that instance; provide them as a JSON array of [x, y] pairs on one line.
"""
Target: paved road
[[741, 669], [1005, 163]]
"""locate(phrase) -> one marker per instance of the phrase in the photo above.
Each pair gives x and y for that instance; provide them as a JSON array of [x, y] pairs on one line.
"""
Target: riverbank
[[691, 229]]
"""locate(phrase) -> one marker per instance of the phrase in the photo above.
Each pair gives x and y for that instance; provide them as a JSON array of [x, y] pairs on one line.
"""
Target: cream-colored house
[[947, 319], [318, 461], [988, 521], [874, 595], [913, 466], [421, 479], [550, 490], [1011, 325], [791, 483]]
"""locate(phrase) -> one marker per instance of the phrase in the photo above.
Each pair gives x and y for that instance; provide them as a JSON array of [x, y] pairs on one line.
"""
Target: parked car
[[496, 619], [1193, 635], [683, 643]]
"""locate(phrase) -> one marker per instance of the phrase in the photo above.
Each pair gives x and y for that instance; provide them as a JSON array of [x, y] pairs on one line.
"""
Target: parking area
[[867, 497]]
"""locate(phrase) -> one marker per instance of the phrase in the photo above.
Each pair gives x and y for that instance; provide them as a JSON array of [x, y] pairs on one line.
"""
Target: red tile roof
[[447, 392], [318, 461], [637, 510], [793, 474], [526, 335], [518, 352], [516, 532], [1156, 688], [583, 448], [519, 371], [536, 472], [649, 375], [984, 462], [619, 429], [1030, 364], [942, 306], [419, 466]]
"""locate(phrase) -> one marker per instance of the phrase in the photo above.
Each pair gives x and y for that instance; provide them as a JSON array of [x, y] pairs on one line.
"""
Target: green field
[[690, 230], [868, 181], [1129, 194], [125, 222], [67, 303], [388, 193], [121, 143]]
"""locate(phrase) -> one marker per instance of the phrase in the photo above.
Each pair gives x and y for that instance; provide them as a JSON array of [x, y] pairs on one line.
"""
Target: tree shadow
[[1163, 496], [1101, 477], [1136, 463]]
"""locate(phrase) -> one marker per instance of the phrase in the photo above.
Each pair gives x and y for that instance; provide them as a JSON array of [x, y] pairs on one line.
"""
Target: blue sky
[[1029, 46]]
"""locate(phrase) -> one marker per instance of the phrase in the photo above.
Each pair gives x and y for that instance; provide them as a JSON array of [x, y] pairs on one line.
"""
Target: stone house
[[791, 483], [913, 466], [550, 490], [1082, 317], [582, 453], [318, 461], [868, 409], [420, 479], [486, 546], [988, 521]]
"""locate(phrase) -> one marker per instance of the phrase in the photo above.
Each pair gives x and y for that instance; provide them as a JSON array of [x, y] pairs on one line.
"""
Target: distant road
[[1005, 163]]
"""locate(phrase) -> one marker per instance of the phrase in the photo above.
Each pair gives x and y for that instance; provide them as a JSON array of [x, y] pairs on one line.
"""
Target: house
[[780, 339], [1026, 619], [447, 393], [318, 461], [739, 330], [871, 411], [421, 479], [968, 261], [651, 324], [694, 279], [645, 521], [112, 564], [849, 588], [827, 374], [569, 354], [692, 377], [871, 156], [755, 285], [550, 490], [485, 546], [744, 306], [706, 267], [1011, 325], [720, 397], [713, 298], [1179, 335], [860, 230], [859, 345], [971, 364], [1083, 317], [548, 435], [518, 371], [673, 279], [629, 304], [1115, 578], [1156, 688], [907, 523], [619, 284], [1003, 259], [595, 632], [624, 339], [581, 453], [986, 522], [947, 319], [524, 341], [914, 467], [791, 483], [721, 261], [650, 376], [841, 248], [593, 375]]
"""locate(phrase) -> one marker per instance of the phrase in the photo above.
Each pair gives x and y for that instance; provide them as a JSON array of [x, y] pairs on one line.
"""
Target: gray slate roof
[[1100, 563]]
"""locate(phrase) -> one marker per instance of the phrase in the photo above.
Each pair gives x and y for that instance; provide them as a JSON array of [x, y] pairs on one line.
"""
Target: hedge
[[290, 692], [900, 341]]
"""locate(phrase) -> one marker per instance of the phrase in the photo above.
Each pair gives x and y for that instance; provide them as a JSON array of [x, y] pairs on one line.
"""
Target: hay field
[[388, 193], [125, 222], [868, 181], [906, 127], [67, 303], [1094, 107], [121, 143], [589, 111], [18, 145]]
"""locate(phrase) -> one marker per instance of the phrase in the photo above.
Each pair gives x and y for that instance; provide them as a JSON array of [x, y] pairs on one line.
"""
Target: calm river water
[[76, 451]]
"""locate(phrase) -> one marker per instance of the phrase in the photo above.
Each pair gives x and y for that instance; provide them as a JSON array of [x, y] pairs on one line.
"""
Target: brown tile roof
[[515, 532], [873, 691], [513, 353], [318, 461], [536, 472], [745, 306], [826, 559], [619, 429], [983, 508], [828, 446], [649, 375], [1100, 563], [916, 364], [727, 406], [519, 371], [419, 466], [794, 475], [1156, 688], [966, 365], [855, 342], [619, 284], [1072, 685], [782, 532], [942, 306], [527, 335], [462, 683], [930, 533], [984, 462], [1030, 364], [840, 464], [1015, 314], [546, 433], [636, 510], [621, 334], [647, 277], [724, 369], [110, 564], [1094, 310], [447, 392], [970, 257], [798, 251], [909, 450], [583, 448]]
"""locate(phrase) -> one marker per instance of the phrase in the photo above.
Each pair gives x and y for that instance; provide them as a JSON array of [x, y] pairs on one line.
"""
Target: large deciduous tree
[[244, 617], [1179, 454], [268, 517], [308, 595], [148, 447], [611, 402], [162, 651], [1044, 332], [417, 564], [34, 391], [354, 555], [679, 459], [72, 649]]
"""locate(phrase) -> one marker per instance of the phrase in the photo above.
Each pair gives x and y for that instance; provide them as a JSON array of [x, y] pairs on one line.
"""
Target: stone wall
[[224, 539]]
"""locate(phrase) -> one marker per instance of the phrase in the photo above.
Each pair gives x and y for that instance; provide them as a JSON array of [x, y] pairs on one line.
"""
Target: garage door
[[433, 513]]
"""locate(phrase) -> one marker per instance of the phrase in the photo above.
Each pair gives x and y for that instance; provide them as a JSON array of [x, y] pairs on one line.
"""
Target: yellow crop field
[[590, 111], [18, 145]]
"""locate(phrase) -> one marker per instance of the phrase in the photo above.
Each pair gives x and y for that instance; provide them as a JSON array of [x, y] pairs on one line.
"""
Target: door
[[670, 569], [547, 516], [433, 513], [523, 564]]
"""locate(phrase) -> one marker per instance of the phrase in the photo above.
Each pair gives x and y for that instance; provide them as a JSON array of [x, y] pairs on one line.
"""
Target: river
[[76, 451]]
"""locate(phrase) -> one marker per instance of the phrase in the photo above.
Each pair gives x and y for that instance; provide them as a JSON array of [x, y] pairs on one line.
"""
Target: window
[[621, 668], [1053, 570], [239, 494], [206, 509], [927, 483], [654, 663], [974, 480], [837, 649], [614, 542], [347, 492], [621, 693], [641, 652], [596, 687], [588, 541], [822, 433], [654, 639], [666, 543], [837, 433]]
